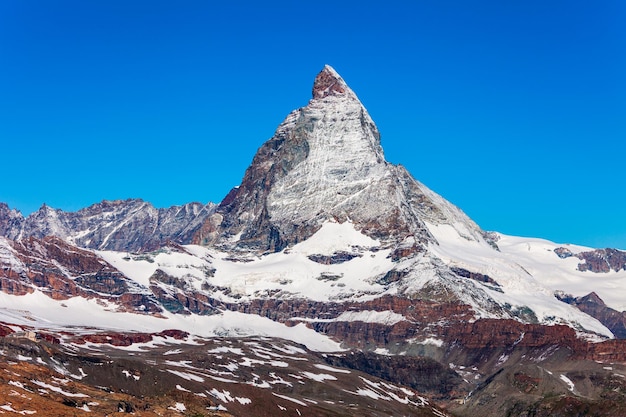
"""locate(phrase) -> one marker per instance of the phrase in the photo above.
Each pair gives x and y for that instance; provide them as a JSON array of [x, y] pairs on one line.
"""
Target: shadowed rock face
[[11, 222], [593, 305]]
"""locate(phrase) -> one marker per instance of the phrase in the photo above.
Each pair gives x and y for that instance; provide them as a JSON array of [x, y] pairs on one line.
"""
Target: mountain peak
[[325, 162], [329, 83]]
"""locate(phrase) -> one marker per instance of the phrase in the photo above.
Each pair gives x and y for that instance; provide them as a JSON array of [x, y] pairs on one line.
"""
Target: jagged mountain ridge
[[122, 225]]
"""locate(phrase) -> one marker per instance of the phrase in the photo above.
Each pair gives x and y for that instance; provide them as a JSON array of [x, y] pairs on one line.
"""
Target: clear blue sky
[[514, 111]]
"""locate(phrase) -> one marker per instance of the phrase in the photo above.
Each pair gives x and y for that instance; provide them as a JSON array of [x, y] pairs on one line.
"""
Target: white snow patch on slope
[[331, 369], [58, 389], [319, 377], [521, 277], [45, 312], [295, 275], [9, 407], [334, 237], [538, 258], [284, 397], [568, 382], [180, 407]]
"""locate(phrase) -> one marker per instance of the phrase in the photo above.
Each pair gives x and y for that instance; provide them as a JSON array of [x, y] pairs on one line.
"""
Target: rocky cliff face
[[11, 222], [593, 305], [122, 225], [325, 162]]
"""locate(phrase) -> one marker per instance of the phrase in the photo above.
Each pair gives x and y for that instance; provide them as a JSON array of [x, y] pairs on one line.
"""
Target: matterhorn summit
[[325, 162]]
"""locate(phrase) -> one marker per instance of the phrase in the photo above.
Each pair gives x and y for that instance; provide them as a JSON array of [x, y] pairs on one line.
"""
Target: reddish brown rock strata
[[327, 84], [62, 271], [602, 260], [608, 351], [496, 333], [127, 339]]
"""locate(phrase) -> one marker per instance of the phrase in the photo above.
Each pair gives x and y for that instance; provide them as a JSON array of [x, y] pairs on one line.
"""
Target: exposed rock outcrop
[[602, 260], [593, 305]]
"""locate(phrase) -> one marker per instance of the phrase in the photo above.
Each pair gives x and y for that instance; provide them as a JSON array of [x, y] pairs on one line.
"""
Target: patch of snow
[[220, 379], [8, 407], [223, 396], [79, 377], [319, 377], [331, 369], [180, 407], [428, 341], [284, 397], [366, 392], [57, 389], [290, 350], [570, 384], [129, 374], [19, 385], [186, 375], [387, 317], [180, 364], [334, 237], [226, 349]]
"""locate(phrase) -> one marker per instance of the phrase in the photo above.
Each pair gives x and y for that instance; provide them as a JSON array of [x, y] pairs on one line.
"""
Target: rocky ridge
[[122, 225]]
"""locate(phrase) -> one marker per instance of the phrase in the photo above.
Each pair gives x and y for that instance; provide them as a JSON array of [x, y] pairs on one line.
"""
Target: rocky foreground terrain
[[329, 283]]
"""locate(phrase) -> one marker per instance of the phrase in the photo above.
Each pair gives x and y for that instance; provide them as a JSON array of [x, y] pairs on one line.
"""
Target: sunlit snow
[[528, 272]]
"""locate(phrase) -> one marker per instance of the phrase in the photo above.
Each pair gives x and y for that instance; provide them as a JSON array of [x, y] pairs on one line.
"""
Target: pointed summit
[[325, 163], [329, 83]]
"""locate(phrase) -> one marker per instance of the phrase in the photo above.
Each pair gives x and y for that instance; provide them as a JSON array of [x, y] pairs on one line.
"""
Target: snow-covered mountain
[[324, 244]]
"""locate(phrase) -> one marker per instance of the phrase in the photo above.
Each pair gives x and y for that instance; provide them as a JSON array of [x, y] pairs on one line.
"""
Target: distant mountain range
[[325, 254]]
